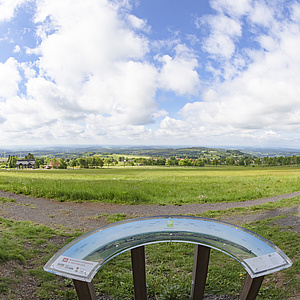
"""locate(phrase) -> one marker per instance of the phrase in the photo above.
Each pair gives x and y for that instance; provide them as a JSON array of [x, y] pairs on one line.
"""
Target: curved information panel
[[82, 258]]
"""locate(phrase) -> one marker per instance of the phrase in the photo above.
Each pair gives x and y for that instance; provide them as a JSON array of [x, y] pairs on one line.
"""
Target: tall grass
[[153, 185]]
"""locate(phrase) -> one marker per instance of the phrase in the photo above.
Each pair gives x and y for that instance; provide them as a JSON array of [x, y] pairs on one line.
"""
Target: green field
[[25, 247], [146, 185]]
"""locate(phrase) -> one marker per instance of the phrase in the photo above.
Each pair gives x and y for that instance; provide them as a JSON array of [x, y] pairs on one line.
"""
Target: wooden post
[[201, 260], [85, 290], [139, 273], [251, 287]]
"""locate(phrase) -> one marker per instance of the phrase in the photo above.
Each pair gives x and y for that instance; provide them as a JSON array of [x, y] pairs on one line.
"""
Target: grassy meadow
[[146, 185], [25, 247]]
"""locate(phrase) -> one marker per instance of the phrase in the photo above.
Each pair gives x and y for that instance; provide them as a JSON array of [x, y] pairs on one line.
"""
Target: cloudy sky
[[150, 72]]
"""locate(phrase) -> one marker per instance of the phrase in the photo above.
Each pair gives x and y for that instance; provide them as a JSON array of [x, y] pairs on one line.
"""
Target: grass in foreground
[[25, 248], [154, 185]]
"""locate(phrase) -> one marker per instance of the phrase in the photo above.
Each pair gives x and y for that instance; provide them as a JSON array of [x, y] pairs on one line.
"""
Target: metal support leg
[[139, 273], [85, 290], [201, 260], [251, 287]]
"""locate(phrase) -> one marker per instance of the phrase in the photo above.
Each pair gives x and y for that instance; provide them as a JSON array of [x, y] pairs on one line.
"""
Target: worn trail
[[88, 215]]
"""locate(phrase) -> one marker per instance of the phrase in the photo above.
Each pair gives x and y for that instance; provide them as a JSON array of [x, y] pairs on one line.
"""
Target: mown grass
[[154, 185], [25, 248]]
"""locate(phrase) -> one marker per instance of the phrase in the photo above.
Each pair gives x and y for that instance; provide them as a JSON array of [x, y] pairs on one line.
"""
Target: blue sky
[[150, 72]]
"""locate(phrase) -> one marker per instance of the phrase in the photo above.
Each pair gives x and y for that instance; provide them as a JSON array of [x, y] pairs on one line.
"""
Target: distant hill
[[186, 152], [193, 152], [271, 152], [150, 151]]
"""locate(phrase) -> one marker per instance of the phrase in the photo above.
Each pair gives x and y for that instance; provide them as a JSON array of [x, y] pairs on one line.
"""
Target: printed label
[[74, 266], [265, 262]]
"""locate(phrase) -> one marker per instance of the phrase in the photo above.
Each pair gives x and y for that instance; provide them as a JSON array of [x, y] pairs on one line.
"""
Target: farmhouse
[[25, 163]]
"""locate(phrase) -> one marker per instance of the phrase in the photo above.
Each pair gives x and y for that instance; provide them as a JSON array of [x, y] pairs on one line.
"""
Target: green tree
[[107, 161], [230, 161], [54, 163], [37, 163], [82, 162], [258, 161], [168, 162], [29, 156], [199, 162], [247, 161], [73, 163], [12, 161], [62, 164], [215, 162]]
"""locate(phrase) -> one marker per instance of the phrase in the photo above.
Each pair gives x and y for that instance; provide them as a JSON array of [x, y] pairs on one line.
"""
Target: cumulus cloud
[[263, 98], [179, 74], [138, 23], [9, 78], [95, 60], [232, 7], [90, 76], [126, 92], [223, 33], [261, 14], [8, 8], [95, 74], [87, 38]]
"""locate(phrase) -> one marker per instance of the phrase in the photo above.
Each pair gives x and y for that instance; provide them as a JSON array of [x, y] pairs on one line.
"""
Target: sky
[[150, 72]]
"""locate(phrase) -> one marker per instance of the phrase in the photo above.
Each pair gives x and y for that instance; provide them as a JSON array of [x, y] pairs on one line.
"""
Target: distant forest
[[98, 158]]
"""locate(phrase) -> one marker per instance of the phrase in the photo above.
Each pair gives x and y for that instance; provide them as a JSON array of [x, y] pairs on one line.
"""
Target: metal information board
[[82, 258]]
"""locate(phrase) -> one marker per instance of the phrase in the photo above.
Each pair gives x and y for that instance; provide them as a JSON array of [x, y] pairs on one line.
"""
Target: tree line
[[95, 161]]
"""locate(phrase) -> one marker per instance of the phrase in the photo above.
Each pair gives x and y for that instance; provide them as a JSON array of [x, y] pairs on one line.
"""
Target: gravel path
[[86, 215]]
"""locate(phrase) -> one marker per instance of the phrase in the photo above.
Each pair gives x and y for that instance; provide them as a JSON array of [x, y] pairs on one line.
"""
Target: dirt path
[[86, 215]]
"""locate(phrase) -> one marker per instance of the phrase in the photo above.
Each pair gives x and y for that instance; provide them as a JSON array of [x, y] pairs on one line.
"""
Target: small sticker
[[170, 224]]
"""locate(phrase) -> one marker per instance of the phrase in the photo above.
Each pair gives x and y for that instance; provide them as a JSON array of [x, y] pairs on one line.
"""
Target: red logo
[[65, 259]]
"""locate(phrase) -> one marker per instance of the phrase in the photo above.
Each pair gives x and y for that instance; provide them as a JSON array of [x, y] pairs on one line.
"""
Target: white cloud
[[97, 75], [28, 69], [261, 100], [88, 38], [139, 24], [261, 14], [8, 7], [125, 92], [17, 49], [171, 129], [231, 7], [9, 78], [179, 73], [94, 60], [295, 12], [109, 128], [223, 33]]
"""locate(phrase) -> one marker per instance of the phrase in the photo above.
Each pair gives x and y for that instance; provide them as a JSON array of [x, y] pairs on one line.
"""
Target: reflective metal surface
[[82, 258]]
